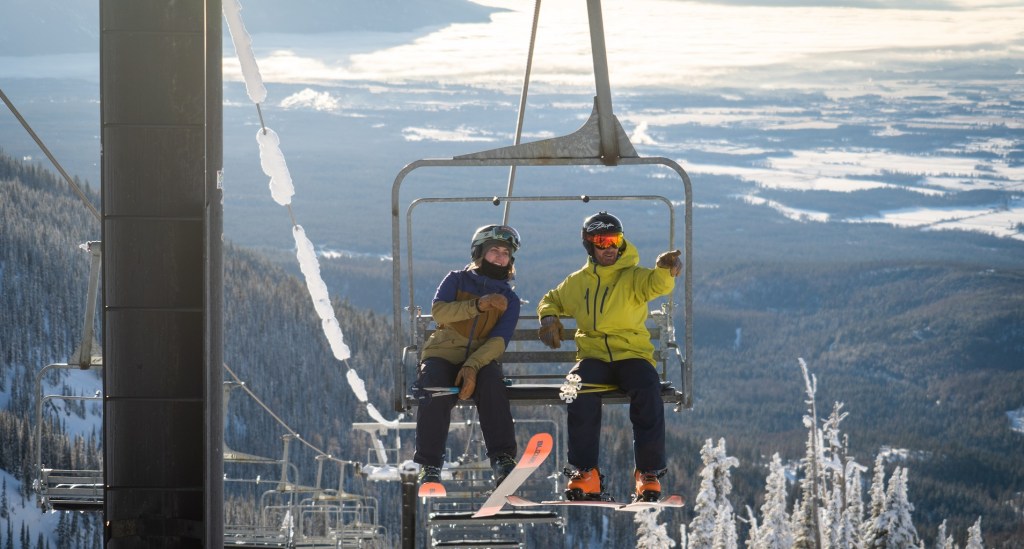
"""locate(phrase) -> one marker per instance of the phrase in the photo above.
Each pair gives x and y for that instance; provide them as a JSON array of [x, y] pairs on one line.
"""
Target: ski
[[537, 450], [517, 501], [432, 490], [669, 501]]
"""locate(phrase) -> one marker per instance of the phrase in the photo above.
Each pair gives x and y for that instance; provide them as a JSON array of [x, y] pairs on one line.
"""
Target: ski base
[[668, 501], [517, 501]]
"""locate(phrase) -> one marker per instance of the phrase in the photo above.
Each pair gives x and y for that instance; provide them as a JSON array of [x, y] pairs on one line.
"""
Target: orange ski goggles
[[607, 240]]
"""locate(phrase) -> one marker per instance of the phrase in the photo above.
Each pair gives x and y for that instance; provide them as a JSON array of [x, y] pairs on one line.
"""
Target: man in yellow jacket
[[609, 298]]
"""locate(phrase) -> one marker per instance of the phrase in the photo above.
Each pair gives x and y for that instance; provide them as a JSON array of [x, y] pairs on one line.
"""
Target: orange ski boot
[[648, 487], [584, 484]]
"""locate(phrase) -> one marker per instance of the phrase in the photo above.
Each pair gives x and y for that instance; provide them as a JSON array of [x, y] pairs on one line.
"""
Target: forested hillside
[[275, 344], [273, 339], [43, 282], [925, 356]]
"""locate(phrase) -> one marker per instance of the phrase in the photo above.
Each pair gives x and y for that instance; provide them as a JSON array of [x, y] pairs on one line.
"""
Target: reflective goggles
[[607, 240], [500, 232]]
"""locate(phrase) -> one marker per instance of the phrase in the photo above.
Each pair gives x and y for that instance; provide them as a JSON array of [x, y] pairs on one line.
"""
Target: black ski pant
[[434, 416], [640, 381]]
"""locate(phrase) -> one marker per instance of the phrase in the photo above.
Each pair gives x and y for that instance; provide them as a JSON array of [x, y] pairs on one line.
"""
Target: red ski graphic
[[432, 490], [537, 450]]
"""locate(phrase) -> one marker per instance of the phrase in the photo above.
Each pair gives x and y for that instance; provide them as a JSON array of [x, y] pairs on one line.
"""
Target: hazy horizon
[[955, 69]]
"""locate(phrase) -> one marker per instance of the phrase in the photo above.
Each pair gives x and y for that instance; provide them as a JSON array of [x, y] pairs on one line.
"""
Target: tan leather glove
[[466, 379], [492, 302], [671, 261], [551, 331]]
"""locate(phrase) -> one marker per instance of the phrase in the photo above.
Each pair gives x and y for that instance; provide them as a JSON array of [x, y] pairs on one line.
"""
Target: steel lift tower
[[161, 135]]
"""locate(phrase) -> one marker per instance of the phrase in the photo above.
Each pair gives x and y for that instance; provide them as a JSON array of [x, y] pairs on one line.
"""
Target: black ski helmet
[[599, 223], [501, 233]]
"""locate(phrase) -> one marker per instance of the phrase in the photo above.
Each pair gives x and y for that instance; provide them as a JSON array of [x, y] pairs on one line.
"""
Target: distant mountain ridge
[[72, 26]]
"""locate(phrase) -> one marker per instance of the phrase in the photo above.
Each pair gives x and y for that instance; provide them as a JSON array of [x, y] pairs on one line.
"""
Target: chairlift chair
[[601, 141]]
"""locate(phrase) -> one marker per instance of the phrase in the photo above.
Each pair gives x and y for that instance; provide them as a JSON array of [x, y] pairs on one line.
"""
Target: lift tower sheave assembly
[[161, 135]]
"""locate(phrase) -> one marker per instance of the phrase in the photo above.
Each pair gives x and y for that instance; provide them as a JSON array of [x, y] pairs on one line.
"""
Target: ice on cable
[[318, 293], [376, 415], [358, 387], [243, 50], [273, 164]]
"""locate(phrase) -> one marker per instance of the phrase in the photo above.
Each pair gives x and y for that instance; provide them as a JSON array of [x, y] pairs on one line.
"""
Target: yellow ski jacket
[[610, 306]]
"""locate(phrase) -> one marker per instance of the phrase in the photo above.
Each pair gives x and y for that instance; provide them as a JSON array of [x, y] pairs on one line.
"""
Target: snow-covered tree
[[752, 526], [839, 530], [942, 541], [834, 444], [715, 486], [899, 505], [854, 498], [894, 529], [877, 505], [650, 534], [974, 540], [806, 529], [774, 531], [840, 519], [725, 529]]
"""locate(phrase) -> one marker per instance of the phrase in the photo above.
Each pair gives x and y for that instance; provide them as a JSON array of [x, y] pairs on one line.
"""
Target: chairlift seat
[[534, 373]]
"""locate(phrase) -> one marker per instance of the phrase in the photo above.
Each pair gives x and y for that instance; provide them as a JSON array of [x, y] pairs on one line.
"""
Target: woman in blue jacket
[[476, 312]]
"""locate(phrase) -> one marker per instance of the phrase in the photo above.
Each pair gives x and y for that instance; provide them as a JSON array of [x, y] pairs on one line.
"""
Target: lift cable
[[277, 418], [46, 151]]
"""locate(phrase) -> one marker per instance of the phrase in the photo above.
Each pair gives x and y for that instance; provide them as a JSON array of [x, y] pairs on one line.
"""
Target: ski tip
[[517, 501], [432, 490], [487, 511], [673, 501], [537, 450]]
